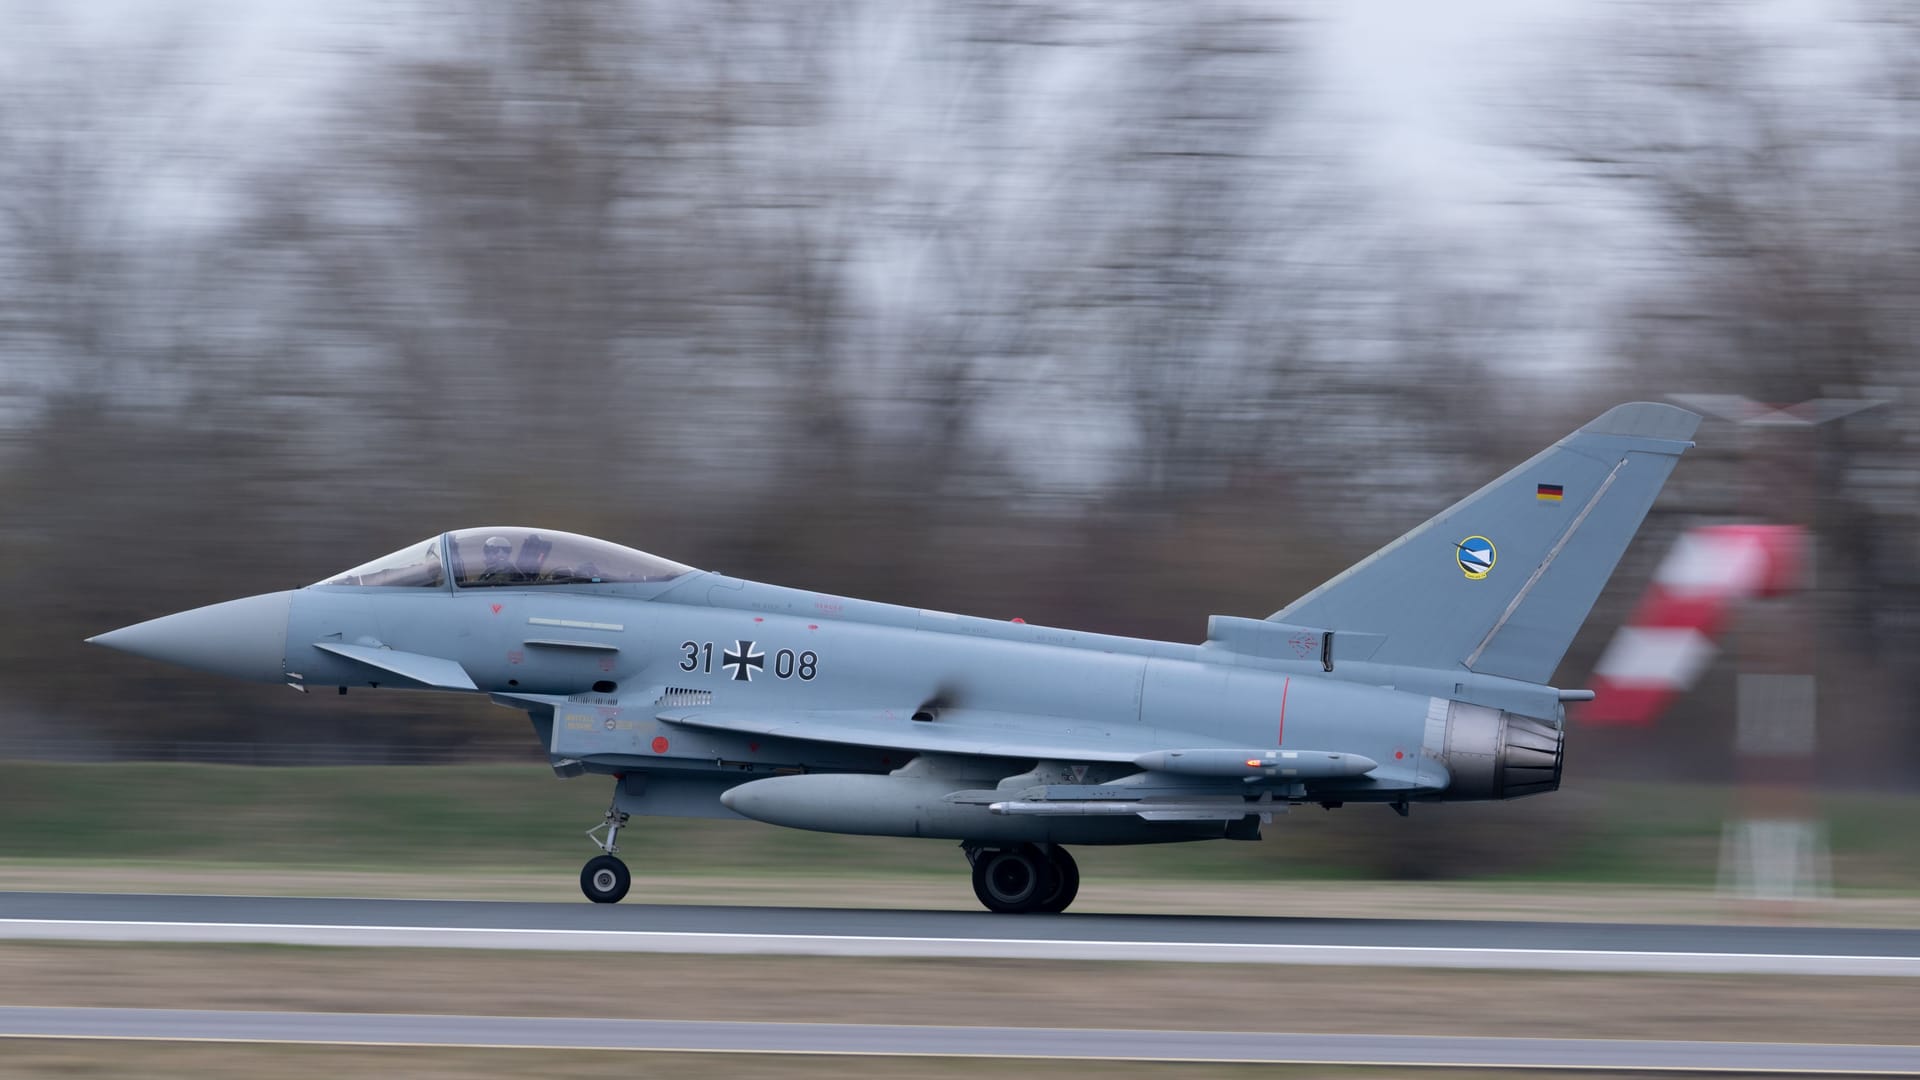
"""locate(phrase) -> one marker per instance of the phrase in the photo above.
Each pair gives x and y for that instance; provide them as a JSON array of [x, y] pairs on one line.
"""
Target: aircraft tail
[[1499, 582]]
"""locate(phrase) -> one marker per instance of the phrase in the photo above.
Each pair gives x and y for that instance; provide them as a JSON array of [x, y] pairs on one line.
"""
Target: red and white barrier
[[1675, 631]]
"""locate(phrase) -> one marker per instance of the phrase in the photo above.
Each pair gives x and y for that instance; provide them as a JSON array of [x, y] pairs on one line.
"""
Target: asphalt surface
[[1000, 1042], [819, 931]]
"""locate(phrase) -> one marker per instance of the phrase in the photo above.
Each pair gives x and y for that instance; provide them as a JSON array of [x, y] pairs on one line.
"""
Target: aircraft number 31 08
[[743, 660]]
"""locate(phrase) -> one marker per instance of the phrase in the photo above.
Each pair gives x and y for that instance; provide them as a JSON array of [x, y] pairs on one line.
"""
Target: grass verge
[[1200, 997], [216, 1061], [509, 820]]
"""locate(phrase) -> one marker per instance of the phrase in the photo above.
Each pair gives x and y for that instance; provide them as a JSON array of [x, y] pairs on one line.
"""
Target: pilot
[[499, 568]]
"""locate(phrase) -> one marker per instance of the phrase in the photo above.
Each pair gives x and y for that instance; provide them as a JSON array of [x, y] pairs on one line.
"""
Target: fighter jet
[[1418, 675]]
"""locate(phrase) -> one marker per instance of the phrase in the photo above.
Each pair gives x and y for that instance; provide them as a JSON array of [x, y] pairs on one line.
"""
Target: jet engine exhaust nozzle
[[1495, 754]]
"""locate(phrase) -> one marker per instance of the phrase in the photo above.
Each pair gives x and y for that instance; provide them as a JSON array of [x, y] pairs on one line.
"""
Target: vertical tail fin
[[1500, 581]]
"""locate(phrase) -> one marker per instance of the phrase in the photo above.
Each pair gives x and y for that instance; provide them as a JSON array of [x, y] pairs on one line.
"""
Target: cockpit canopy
[[514, 556], [414, 566], [510, 556]]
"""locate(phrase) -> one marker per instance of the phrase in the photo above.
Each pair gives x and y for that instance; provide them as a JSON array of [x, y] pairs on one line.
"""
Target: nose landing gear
[[605, 879], [1024, 878]]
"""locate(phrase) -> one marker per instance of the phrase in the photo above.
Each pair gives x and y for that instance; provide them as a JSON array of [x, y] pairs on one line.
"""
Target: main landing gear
[[1025, 877], [605, 879]]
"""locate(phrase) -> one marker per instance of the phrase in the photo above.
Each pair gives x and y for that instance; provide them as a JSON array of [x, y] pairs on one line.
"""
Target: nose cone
[[246, 639]]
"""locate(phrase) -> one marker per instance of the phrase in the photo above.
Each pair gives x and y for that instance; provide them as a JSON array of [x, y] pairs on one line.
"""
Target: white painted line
[[665, 941]]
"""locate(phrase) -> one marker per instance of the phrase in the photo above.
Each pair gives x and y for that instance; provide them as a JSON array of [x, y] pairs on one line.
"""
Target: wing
[[952, 731], [1014, 735]]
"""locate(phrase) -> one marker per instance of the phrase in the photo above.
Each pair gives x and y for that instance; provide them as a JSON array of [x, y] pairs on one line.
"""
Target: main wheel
[[1066, 881], [1013, 880], [605, 879]]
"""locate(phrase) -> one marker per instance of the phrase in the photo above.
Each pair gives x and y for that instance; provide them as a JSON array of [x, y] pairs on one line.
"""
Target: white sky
[[1416, 80]]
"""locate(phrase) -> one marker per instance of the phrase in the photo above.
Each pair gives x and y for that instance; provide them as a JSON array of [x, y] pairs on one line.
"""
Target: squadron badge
[[1476, 557]]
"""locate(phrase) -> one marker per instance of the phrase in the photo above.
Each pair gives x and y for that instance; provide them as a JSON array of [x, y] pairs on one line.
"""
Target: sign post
[[1774, 847]]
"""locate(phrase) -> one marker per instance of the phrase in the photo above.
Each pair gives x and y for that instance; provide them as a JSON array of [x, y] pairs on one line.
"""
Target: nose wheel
[[1026, 878], [605, 879]]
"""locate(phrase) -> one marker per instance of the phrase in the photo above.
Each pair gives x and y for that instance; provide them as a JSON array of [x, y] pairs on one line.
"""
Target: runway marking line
[[535, 1018], [878, 939], [424, 1045]]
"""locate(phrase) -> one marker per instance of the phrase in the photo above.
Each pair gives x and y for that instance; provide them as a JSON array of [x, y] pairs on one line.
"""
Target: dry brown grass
[[211, 1061], [964, 992]]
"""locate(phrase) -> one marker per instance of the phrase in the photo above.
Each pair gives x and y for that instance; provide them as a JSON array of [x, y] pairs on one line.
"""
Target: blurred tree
[[1779, 162], [1082, 315]]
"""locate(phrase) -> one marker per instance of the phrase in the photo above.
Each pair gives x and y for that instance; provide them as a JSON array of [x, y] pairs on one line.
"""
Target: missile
[[1257, 764], [1220, 809]]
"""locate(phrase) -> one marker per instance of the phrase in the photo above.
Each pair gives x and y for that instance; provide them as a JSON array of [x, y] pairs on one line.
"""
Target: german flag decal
[[1549, 492]]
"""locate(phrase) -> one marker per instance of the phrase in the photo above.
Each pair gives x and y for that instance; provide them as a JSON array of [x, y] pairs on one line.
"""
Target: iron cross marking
[[743, 660]]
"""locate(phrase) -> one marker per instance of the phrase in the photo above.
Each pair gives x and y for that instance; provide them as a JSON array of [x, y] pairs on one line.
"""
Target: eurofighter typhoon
[[1418, 675]]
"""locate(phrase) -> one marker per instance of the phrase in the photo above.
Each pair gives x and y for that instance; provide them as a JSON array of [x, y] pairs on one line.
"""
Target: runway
[[1538, 946], [707, 1036]]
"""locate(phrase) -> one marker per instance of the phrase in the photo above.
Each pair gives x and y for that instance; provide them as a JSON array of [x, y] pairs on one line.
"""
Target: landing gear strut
[[1023, 878], [605, 879]]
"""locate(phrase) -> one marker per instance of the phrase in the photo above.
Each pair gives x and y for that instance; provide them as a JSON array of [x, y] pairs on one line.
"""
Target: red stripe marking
[[1284, 687], [1664, 607]]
